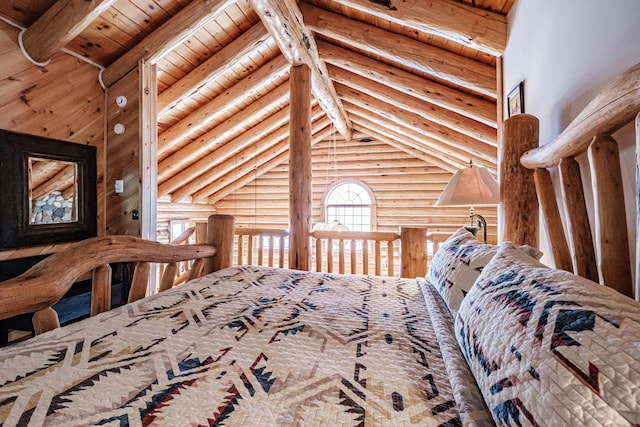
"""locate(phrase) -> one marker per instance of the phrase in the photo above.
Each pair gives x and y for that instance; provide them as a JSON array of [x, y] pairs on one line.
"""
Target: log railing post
[[220, 232], [555, 230], [413, 252], [519, 204], [578, 228], [614, 261]]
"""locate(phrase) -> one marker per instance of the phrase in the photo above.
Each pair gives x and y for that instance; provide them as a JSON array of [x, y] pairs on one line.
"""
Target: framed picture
[[515, 100]]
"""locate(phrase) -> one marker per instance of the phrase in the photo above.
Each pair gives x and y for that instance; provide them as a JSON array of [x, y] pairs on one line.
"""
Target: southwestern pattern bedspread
[[246, 346]]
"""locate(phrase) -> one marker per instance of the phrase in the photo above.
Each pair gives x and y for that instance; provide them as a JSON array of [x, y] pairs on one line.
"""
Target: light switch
[[119, 187]]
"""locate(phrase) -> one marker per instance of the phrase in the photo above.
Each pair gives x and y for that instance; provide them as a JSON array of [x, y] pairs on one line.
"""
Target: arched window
[[350, 204]]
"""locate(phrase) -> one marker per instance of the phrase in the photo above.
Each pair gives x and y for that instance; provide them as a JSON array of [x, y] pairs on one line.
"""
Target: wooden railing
[[609, 261], [353, 252]]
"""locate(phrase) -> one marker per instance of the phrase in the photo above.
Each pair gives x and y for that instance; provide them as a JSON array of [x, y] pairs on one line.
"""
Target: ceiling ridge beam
[[323, 129], [167, 37], [435, 133], [223, 104], [283, 20], [438, 115], [212, 139], [447, 66], [470, 26], [213, 68], [60, 24], [182, 184], [231, 170], [427, 90]]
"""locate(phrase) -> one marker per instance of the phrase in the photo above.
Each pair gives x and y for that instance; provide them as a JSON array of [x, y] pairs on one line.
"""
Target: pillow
[[550, 348], [457, 265]]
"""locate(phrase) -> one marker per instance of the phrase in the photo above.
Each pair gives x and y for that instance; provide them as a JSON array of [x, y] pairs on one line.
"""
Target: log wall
[[405, 189], [63, 101]]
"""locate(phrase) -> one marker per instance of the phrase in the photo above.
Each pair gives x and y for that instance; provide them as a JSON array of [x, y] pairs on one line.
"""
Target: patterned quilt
[[246, 346]]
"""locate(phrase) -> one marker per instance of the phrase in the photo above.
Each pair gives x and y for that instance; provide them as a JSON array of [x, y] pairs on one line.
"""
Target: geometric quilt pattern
[[245, 346], [551, 348]]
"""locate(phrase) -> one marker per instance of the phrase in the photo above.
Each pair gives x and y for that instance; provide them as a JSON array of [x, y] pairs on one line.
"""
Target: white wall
[[566, 51]]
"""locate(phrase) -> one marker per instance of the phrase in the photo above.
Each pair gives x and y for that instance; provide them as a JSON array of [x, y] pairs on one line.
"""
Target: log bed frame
[[608, 262]]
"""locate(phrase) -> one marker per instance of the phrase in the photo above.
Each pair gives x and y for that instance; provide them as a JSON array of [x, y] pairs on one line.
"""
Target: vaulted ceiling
[[418, 75]]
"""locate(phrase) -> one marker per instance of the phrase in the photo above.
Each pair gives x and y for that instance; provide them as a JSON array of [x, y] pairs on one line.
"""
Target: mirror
[[53, 191], [47, 191]]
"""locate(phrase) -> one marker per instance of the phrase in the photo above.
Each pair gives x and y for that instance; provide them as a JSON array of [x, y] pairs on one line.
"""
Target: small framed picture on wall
[[515, 100]]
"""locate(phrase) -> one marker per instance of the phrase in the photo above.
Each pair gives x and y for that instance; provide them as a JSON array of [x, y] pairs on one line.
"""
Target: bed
[[489, 336]]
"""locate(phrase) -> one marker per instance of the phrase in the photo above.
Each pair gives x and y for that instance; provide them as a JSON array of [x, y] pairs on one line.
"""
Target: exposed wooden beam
[[438, 63], [416, 139], [220, 107], [177, 161], [429, 91], [187, 180], [172, 33], [439, 116], [60, 24], [470, 26], [270, 163], [435, 133], [213, 68], [231, 172], [283, 19]]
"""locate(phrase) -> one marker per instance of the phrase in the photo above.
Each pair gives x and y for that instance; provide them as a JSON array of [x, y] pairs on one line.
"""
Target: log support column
[[519, 214], [413, 252], [300, 168]]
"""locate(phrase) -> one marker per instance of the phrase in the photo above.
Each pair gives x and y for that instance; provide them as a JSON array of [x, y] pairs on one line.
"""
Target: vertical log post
[[139, 281], [45, 320], [220, 231], [578, 229], [519, 214], [300, 168], [413, 252], [101, 290], [555, 231], [611, 221]]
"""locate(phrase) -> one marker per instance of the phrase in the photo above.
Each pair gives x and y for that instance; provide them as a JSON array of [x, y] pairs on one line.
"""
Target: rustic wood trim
[[439, 63], [283, 20], [613, 107], [611, 224], [60, 24], [148, 95], [482, 30], [519, 204], [555, 230], [637, 201], [172, 33], [300, 168], [578, 228]]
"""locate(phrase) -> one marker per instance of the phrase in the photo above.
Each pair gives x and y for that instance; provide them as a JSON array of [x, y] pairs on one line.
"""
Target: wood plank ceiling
[[417, 75]]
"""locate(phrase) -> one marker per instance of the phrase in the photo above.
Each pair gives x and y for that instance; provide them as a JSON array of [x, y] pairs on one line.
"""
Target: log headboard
[[604, 257]]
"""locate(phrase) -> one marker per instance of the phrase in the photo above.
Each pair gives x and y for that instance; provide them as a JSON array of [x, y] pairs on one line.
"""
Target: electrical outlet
[[135, 214]]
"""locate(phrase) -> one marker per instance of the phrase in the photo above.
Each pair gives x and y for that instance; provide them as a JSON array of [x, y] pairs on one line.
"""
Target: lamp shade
[[470, 186]]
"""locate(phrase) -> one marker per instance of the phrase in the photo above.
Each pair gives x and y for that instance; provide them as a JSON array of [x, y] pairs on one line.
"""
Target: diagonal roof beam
[[283, 19], [171, 34], [470, 26], [60, 24], [439, 63]]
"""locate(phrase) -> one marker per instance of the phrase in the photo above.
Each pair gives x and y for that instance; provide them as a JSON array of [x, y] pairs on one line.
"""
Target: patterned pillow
[[457, 265], [550, 348]]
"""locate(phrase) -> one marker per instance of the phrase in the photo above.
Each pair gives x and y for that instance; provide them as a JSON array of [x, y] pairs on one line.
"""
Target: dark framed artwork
[[515, 100], [48, 191]]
